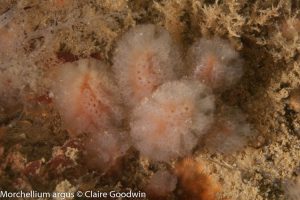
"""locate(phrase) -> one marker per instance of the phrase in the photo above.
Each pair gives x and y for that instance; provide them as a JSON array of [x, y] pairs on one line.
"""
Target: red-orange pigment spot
[[206, 72], [143, 72], [160, 129], [99, 106], [178, 117]]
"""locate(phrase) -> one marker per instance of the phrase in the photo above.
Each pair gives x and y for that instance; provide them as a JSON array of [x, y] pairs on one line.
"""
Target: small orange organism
[[86, 97], [215, 63], [193, 183], [144, 59], [168, 124]]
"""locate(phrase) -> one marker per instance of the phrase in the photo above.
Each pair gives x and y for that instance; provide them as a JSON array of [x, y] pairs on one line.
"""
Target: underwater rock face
[[86, 97], [144, 59], [169, 123]]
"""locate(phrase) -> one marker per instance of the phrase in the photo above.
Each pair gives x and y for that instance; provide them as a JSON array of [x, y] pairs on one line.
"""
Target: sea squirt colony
[[152, 99]]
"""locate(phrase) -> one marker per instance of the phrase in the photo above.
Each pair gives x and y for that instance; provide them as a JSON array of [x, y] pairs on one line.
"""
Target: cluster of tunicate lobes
[[152, 98]]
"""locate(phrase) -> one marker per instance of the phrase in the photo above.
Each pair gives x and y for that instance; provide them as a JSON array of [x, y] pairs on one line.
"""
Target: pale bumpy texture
[[162, 183], [86, 97], [145, 58], [215, 63], [104, 148], [229, 133], [168, 124]]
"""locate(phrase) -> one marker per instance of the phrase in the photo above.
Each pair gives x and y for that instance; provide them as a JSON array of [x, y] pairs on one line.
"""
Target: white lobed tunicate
[[161, 184], [102, 149], [229, 132], [215, 63], [144, 59], [87, 97], [169, 123]]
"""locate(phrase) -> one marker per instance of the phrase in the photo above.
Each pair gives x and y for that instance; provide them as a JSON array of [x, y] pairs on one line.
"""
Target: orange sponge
[[194, 184]]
